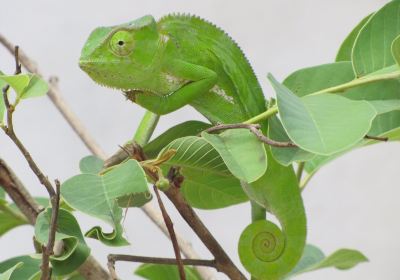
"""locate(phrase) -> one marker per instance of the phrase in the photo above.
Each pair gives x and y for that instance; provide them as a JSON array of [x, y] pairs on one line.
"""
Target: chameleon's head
[[121, 56]]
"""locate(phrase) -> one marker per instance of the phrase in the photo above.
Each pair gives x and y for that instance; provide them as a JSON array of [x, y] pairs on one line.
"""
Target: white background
[[352, 202]]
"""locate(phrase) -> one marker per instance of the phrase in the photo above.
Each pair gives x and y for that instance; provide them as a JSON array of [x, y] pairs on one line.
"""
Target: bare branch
[[377, 138], [112, 258], [47, 250], [170, 227]]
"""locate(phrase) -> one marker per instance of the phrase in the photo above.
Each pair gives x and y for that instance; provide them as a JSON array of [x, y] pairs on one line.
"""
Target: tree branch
[[47, 250], [170, 227], [112, 258], [223, 262]]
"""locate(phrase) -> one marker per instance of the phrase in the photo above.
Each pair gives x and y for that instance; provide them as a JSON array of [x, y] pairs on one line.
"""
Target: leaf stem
[[146, 128]]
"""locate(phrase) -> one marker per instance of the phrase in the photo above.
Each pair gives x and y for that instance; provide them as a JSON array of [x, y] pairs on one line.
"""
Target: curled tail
[[265, 250]]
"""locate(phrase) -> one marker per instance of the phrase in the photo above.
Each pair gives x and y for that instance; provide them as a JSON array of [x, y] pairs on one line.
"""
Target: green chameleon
[[182, 60]]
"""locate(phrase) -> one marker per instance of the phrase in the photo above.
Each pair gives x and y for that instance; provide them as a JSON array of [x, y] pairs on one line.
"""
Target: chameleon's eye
[[122, 43]]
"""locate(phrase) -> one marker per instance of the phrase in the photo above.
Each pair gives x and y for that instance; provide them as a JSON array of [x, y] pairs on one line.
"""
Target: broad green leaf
[[134, 200], [344, 53], [75, 251], [325, 123], [164, 272], [341, 259], [17, 82], [385, 106], [36, 88], [313, 259], [285, 156], [311, 256], [207, 184], [313, 79], [91, 165], [96, 194], [29, 269], [7, 274], [372, 48], [242, 152], [9, 218], [396, 50], [94, 165], [188, 128], [26, 85]]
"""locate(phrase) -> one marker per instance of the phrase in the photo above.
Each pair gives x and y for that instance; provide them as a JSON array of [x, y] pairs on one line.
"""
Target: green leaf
[[188, 128], [316, 78], [344, 53], [325, 123], [341, 259], [17, 82], [312, 255], [314, 259], [164, 272], [134, 200], [36, 88], [26, 85], [385, 106], [2, 193], [208, 184], [242, 152], [396, 50], [9, 218], [91, 165], [372, 48], [75, 251], [285, 156], [29, 269], [97, 195], [7, 274], [113, 238]]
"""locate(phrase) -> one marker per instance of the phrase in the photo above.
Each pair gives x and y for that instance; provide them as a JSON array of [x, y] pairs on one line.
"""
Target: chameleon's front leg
[[199, 79]]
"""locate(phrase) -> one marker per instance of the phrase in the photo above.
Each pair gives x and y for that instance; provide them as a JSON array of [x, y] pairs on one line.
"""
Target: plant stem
[[300, 169], [263, 116], [146, 128]]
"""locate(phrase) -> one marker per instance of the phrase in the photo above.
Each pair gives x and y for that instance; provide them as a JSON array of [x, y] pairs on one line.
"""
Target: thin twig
[[47, 250], [255, 129], [168, 261], [170, 227], [377, 138]]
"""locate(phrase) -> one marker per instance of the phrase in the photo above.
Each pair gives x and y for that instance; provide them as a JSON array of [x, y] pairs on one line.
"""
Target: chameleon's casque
[[183, 60]]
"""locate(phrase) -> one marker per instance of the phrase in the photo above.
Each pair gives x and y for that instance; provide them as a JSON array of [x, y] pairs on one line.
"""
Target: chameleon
[[184, 60]]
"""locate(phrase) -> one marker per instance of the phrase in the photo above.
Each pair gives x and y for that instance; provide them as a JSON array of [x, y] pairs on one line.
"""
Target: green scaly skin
[[182, 60]]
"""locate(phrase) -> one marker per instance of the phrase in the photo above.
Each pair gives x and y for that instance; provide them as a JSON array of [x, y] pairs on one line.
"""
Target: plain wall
[[352, 202]]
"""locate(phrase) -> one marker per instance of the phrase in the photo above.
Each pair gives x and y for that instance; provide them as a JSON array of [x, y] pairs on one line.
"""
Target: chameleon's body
[[182, 60]]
